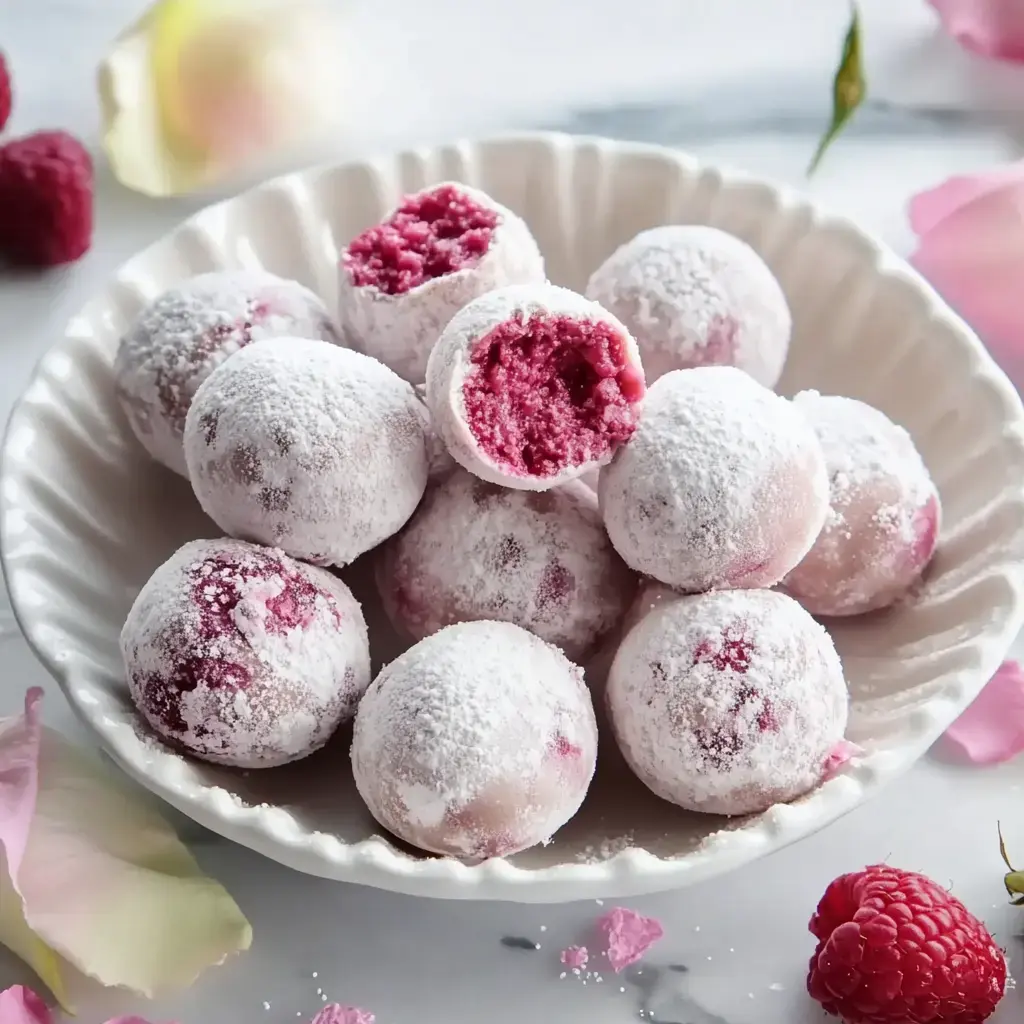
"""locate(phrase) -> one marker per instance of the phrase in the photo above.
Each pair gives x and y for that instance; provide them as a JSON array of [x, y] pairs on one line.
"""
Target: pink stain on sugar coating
[[628, 936], [334, 1013], [991, 730], [575, 957], [926, 533]]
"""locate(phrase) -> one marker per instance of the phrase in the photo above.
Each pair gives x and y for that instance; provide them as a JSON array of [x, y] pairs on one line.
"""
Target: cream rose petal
[[104, 881]]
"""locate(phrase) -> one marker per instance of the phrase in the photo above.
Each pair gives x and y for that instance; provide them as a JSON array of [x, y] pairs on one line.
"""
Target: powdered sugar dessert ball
[[184, 334], [478, 742], [474, 550], [696, 296], [308, 447], [405, 278], [723, 484], [242, 656], [728, 702], [532, 386], [883, 524]]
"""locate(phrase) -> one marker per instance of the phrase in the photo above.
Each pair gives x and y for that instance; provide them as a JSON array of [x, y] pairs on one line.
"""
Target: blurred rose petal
[[971, 248], [991, 730], [992, 28], [200, 91], [20, 1005], [103, 880]]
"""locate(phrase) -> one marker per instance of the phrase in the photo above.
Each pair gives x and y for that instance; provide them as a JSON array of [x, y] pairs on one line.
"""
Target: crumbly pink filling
[[429, 235], [551, 392]]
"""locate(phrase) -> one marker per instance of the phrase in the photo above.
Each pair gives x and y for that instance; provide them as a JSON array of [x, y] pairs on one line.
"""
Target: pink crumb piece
[[575, 957], [842, 753], [629, 935], [334, 1013]]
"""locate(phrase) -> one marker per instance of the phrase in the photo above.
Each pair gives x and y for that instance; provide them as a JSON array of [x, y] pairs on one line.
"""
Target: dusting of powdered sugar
[[451, 365], [722, 485], [439, 459], [474, 550], [309, 447], [884, 512], [401, 329], [243, 656], [189, 330], [477, 742], [728, 702], [696, 296]]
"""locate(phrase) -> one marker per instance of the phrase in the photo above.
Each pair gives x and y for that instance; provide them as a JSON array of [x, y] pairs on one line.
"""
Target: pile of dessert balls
[[448, 419]]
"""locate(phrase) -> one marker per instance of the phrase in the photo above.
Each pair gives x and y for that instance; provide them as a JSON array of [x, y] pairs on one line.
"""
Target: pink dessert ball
[[478, 742], [474, 550], [883, 524], [242, 656], [532, 386], [696, 296], [402, 280], [723, 485], [728, 702], [308, 447], [183, 335]]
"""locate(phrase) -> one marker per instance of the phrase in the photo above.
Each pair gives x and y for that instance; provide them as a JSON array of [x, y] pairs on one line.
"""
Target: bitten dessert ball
[[405, 278], [478, 742], [191, 329], [308, 447], [696, 296], [722, 485], [728, 702], [532, 386], [883, 524], [474, 550], [242, 656]]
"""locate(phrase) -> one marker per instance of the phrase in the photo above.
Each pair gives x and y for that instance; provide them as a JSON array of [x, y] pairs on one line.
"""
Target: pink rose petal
[[629, 935], [991, 28], [842, 753], [20, 1005], [991, 730], [333, 1013], [575, 957]]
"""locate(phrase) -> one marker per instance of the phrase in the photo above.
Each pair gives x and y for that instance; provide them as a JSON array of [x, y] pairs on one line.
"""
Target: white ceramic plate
[[86, 516]]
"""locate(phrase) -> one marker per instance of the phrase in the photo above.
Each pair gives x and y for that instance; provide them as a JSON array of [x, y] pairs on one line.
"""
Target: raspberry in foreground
[[894, 946], [6, 100], [46, 193]]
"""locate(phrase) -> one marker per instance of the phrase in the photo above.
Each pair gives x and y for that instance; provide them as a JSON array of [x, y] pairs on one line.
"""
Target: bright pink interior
[[551, 392], [430, 235]]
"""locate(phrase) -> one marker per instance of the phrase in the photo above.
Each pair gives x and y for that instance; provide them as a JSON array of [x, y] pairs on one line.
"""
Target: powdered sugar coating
[[184, 334], [723, 485], [728, 702], [401, 329], [884, 518], [474, 550], [478, 742], [439, 459], [309, 447], [451, 367], [242, 656], [696, 296]]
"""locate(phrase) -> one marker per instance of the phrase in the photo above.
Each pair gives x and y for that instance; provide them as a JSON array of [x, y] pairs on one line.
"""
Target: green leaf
[[848, 88], [1014, 880]]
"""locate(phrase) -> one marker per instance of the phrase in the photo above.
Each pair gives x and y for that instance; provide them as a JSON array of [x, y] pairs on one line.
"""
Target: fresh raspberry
[[895, 947], [46, 194], [5, 92]]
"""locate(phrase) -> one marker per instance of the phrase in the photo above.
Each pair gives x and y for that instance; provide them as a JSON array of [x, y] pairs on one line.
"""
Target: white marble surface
[[740, 81]]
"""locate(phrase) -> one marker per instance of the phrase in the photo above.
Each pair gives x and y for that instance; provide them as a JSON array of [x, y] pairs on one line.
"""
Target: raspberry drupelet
[[532, 386], [474, 550], [722, 485], [240, 655], [308, 447], [479, 741], [728, 702], [189, 330], [696, 296], [402, 280], [883, 524]]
